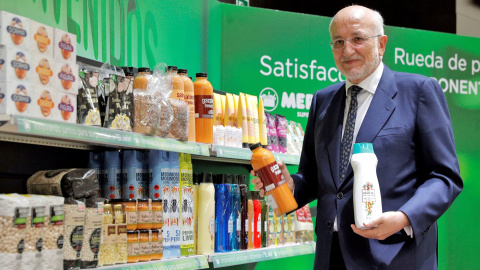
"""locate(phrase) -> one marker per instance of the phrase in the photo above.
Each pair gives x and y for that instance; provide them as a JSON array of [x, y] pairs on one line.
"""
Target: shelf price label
[[232, 152], [288, 159], [197, 262], [258, 255]]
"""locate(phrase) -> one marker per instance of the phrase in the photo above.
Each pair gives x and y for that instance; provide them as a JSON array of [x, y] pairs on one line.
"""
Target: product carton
[[18, 98], [14, 31], [42, 71], [3, 100], [41, 39], [66, 77], [67, 107], [65, 46], [43, 103], [17, 66], [3, 62]]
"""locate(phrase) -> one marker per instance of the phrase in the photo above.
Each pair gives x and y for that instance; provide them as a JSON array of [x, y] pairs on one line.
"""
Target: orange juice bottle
[[189, 97], [278, 193], [141, 81], [177, 83], [203, 109]]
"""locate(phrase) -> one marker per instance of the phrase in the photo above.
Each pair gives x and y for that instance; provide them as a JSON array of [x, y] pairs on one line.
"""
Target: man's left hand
[[387, 224]]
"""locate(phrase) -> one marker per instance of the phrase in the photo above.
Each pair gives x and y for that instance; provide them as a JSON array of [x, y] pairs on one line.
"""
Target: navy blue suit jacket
[[409, 125]]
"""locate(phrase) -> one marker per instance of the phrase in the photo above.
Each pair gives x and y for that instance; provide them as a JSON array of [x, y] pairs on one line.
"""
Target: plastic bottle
[[367, 200], [228, 235], [221, 220], [251, 212], [264, 220], [140, 84], [243, 212], [188, 96], [185, 203], [177, 83], [203, 109], [257, 220], [195, 211], [278, 193], [217, 207], [236, 213], [206, 222]]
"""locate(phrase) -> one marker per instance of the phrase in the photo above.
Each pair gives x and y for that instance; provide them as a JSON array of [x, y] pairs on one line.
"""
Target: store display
[[367, 198], [277, 191], [135, 170], [119, 106], [88, 110], [158, 162], [206, 217], [203, 109], [111, 175], [75, 183]]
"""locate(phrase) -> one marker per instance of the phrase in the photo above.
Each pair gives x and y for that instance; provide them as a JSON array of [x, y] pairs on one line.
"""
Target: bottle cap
[[254, 195], [359, 148], [224, 178], [128, 73], [234, 179], [143, 231], [206, 177], [155, 230], [127, 69], [242, 180], [115, 201], [195, 178], [144, 69], [172, 67], [255, 146], [182, 70], [201, 74]]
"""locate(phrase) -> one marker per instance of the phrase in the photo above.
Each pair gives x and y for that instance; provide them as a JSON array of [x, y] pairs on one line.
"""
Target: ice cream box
[[43, 103], [66, 77], [65, 46], [67, 107], [14, 31], [42, 71], [41, 39]]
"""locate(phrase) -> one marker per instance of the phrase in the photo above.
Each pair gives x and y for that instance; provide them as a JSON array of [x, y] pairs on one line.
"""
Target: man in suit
[[405, 117]]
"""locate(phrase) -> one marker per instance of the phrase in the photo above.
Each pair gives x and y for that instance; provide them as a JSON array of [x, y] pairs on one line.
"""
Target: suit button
[[328, 223], [339, 195]]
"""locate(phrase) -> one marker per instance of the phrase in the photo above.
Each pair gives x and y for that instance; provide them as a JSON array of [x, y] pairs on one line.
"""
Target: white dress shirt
[[364, 98]]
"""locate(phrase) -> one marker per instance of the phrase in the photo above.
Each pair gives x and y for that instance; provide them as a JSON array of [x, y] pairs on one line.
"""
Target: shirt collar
[[371, 82]]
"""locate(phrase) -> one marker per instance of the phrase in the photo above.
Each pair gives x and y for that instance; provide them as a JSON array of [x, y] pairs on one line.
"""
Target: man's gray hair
[[377, 18]]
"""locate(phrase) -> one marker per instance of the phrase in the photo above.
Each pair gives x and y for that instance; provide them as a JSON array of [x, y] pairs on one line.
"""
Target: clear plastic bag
[[181, 115], [153, 113]]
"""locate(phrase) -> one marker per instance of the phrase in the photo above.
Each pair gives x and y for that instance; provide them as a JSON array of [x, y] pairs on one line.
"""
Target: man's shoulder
[[406, 77], [330, 90]]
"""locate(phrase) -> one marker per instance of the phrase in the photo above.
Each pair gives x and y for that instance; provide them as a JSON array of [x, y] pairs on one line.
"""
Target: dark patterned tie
[[348, 132]]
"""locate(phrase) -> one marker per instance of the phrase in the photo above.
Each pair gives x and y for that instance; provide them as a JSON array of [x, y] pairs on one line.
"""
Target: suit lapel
[[378, 113], [333, 132]]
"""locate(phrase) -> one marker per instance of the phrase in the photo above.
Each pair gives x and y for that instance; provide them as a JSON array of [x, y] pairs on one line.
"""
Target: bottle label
[[230, 225], [212, 225], [246, 225], [368, 198], [272, 202], [271, 176], [239, 225], [203, 106]]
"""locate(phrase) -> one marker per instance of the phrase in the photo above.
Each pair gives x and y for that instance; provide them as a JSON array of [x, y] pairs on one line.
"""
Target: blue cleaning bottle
[[229, 234], [236, 208], [217, 217], [220, 217]]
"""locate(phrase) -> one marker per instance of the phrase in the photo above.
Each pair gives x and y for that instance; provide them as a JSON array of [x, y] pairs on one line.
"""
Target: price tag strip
[[258, 255], [192, 262]]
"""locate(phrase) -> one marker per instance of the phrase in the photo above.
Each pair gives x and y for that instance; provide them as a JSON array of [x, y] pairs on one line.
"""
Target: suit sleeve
[[306, 178], [438, 169]]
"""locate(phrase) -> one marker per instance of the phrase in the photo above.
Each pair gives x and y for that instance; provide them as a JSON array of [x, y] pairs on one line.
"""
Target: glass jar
[[130, 213], [144, 211], [133, 246], [157, 245], [118, 212], [157, 214], [145, 246], [121, 240]]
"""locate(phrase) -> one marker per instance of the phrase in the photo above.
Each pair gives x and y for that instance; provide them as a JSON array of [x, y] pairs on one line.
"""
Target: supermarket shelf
[[57, 134], [259, 255], [192, 262]]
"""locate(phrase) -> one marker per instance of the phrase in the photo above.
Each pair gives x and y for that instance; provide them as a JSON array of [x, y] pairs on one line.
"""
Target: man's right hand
[[258, 185]]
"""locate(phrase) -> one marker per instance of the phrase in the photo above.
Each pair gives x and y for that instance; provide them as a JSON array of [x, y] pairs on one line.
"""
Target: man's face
[[357, 62]]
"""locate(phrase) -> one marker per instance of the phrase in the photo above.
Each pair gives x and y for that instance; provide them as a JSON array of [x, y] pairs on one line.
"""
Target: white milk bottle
[[367, 201]]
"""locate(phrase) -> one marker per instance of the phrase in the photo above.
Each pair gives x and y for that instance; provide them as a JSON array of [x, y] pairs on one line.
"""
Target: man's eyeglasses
[[339, 44]]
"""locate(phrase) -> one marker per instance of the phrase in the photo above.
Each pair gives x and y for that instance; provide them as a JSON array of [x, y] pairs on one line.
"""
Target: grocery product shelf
[[30, 130], [259, 255], [192, 262]]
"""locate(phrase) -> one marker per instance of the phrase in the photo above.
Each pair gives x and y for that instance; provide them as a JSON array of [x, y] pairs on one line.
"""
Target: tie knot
[[355, 89]]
